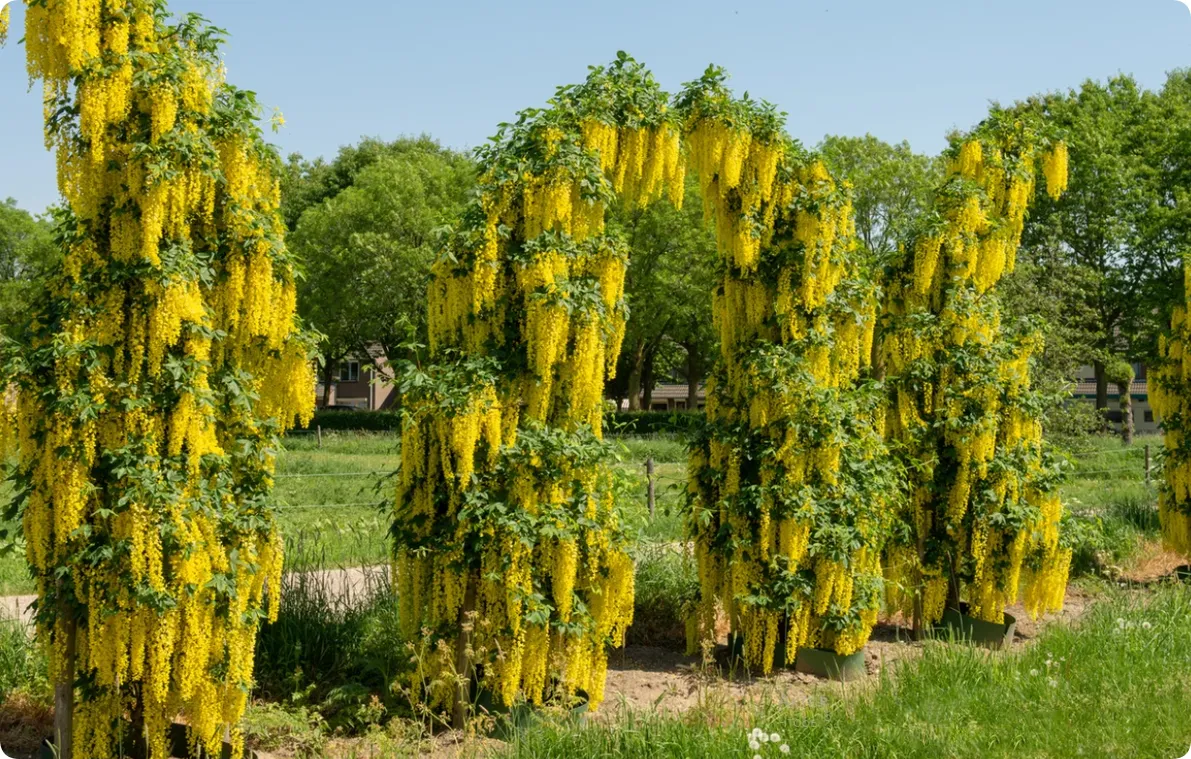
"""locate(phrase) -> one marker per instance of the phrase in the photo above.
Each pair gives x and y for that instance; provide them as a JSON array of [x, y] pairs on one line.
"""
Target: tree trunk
[[1101, 393], [64, 690], [464, 657], [328, 377], [647, 382], [1126, 412], [693, 376], [634, 388]]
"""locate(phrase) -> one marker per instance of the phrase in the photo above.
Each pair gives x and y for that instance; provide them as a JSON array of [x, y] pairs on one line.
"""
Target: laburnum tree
[[792, 489], [153, 381], [509, 552], [983, 516]]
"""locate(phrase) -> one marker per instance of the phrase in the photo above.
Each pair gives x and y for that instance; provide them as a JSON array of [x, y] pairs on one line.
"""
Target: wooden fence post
[[1147, 463], [319, 429], [649, 477]]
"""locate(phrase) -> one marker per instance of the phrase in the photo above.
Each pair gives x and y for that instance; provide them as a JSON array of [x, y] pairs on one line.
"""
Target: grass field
[[1112, 685]]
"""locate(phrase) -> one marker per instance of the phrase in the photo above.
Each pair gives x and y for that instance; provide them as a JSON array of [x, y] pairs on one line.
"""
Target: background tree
[[368, 249], [672, 271], [891, 187], [27, 255], [1093, 235], [306, 183]]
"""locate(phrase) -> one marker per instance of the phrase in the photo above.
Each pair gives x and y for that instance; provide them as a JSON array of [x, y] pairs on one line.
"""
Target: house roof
[[1088, 388], [666, 392]]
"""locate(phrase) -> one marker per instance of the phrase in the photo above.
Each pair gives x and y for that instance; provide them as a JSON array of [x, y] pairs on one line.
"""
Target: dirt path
[[345, 585], [641, 678]]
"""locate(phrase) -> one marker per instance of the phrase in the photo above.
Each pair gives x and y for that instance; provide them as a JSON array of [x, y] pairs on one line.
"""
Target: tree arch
[[508, 547]]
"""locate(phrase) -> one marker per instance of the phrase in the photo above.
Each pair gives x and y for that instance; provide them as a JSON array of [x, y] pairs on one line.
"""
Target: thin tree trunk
[[647, 382], [64, 689], [634, 388], [328, 377], [1126, 398], [1101, 386], [463, 657]]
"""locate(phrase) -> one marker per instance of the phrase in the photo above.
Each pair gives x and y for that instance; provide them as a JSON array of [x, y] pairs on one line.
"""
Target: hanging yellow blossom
[[792, 490], [983, 514], [504, 513], [1171, 397], [151, 387]]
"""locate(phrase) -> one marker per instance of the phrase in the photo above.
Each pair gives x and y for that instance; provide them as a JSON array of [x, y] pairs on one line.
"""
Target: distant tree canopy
[[891, 186], [366, 237], [1101, 267], [27, 253], [671, 275]]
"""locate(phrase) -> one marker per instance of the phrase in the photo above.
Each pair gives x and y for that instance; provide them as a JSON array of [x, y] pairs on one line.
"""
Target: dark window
[[1114, 417], [1149, 416], [349, 371]]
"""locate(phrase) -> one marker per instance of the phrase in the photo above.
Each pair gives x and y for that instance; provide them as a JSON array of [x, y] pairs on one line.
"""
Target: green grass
[[335, 494], [665, 585], [1113, 686], [1113, 509], [669, 466]]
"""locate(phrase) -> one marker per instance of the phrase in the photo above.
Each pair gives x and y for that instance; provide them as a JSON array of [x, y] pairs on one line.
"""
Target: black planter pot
[[829, 664], [957, 623], [177, 742], [736, 651]]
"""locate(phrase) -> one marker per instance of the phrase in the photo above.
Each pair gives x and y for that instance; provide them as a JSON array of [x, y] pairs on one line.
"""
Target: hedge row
[[615, 422]]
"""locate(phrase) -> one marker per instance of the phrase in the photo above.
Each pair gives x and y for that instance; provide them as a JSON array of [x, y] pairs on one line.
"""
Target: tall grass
[[1113, 686], [335, 645]]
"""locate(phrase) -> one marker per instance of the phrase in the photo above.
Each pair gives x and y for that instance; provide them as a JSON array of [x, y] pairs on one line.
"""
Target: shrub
[[667, 587]]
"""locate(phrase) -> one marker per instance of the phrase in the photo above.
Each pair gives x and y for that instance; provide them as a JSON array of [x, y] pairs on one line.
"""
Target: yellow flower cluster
[[999, 523], [641, 163], [793, 348], [728, 161], [4, 21], [146, 438], [552, 293], [1170, 395]]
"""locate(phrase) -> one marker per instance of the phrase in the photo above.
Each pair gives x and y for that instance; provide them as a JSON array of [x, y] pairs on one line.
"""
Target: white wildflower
[[784, 748], [774, 737]]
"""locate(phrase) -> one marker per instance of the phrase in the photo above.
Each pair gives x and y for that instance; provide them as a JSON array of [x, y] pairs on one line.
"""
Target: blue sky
[[909, 70]]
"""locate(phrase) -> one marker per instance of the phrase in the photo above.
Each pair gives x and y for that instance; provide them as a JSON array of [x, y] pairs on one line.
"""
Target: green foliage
[[672, 273], [370, 421], [891, 187], [666, 590], [335, 642], [23, 667], [368, 245], [653, 422], [27, 255]]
